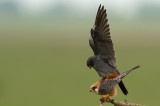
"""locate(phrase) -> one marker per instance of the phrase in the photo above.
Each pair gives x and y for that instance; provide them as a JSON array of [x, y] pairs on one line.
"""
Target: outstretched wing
[[92, 45], [101, 42]]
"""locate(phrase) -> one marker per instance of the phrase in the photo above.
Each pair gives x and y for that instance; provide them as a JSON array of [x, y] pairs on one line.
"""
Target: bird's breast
[[101, 66]]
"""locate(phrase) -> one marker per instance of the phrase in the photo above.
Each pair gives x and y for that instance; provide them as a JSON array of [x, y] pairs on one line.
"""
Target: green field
[[43, 63]]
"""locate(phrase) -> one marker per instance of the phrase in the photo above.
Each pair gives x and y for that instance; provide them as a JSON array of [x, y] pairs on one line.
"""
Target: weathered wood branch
[[116, 103]]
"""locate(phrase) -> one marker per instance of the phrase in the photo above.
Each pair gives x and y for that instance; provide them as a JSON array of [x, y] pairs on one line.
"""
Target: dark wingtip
[[102, 7], [99, 7]]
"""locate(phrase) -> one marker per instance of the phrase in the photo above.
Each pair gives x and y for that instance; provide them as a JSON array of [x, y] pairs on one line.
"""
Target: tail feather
[[123, 88], [121, 84], [127, 72]]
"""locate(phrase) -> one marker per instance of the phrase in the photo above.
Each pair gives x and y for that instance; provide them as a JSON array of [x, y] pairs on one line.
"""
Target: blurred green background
[[44, 48]]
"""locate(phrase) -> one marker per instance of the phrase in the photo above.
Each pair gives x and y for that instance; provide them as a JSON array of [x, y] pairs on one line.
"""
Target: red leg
[[104, 99]]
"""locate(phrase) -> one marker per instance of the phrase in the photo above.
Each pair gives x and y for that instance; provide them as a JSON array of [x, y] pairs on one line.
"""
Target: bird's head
[[94, 89], [90, 61]]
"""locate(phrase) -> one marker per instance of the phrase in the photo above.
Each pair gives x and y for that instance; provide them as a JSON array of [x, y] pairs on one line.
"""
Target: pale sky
[[129, 8]]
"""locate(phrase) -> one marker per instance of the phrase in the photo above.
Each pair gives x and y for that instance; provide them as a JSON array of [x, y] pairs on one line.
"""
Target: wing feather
[[101, 36], [107, 85]]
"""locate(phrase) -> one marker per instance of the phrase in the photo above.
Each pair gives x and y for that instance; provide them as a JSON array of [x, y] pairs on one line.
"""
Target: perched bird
[[107, 86], [104, 60]]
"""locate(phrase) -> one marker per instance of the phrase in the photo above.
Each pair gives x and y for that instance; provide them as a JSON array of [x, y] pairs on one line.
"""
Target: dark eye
[[94, 88]]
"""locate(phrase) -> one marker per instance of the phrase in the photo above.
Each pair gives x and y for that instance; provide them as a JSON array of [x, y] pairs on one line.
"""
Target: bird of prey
[[104, 60], [107, 86]]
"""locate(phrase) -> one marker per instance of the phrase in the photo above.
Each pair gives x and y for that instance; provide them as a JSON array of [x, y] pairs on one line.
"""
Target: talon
[[103, 99]]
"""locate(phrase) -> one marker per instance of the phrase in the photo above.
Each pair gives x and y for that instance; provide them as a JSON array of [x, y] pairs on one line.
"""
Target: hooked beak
[[90, 66], [90, 90]]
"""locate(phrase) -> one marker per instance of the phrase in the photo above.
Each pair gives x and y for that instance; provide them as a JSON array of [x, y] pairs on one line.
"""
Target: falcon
[[107, 86], [104, 59]]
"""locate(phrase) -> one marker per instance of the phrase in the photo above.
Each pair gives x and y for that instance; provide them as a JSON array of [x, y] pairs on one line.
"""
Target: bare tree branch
[[116, 103]]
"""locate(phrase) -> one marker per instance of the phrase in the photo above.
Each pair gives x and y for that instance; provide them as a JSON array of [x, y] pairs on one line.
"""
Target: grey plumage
[[100, 41], [104, 59], [111, 83]]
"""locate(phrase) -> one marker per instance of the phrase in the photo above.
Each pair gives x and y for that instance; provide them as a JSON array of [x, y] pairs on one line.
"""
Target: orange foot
[[104, 99]]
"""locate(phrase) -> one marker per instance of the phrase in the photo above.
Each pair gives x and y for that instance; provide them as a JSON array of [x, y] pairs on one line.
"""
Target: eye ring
[[94, 88]]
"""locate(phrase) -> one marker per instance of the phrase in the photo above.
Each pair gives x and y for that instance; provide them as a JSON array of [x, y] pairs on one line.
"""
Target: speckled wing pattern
[[107, 85]]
